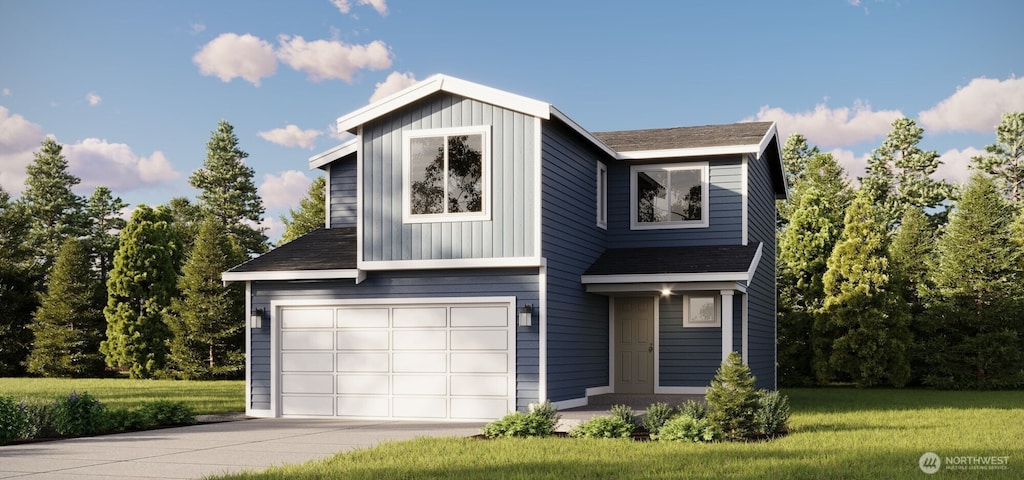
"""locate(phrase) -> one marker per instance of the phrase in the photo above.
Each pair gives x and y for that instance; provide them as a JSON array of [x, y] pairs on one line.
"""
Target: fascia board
[[323, 158], [283, 275], [582, 131], [687, 152]]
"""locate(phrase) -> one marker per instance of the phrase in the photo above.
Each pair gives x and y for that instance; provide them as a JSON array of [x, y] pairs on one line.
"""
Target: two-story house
[[483, 251]]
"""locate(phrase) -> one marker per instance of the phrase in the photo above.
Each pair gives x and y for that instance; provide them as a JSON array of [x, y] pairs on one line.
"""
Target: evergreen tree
[[67, 328], [899, 174], [973, 338], [1005, 159], [55, 212], [732, 398], [862, 330], [796, 153], [187, 218], [227, 191], [139, 293], [311, 213], [208, 337], [18, 278], [104, 213], [910, 257], [819, 200]]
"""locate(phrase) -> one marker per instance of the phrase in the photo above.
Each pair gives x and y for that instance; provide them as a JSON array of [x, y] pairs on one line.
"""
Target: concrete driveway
[[208, 449]]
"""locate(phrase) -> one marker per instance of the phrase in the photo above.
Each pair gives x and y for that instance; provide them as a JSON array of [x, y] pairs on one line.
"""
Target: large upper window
[[669, 196], [446, 174]]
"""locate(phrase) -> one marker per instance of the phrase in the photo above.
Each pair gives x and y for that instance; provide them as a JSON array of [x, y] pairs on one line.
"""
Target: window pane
[[686, 191], [702, 310], [427, 175], [652, 196], [465, 169]]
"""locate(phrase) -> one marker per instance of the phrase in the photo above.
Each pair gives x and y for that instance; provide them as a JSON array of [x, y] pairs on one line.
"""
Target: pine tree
[[973, 338], [67, 328], [899, 175], [18, 280], [227, 191], [187, 218], [55, 211], [796, 154], [910, 256], [732, 398], [862, 331], [311, 213], [818, 203], [139, 293], [104, 214], [1005, 159], [208, 334]]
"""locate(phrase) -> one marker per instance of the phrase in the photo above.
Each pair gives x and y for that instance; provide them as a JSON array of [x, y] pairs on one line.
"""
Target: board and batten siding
[[577, 321], [725, 203], [761, 315], [510, 230], [341, 181], [520, 283]]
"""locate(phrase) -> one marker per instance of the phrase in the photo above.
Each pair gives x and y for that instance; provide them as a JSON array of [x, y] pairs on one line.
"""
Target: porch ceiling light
[[526, 316], [256, 318], [666, 292]]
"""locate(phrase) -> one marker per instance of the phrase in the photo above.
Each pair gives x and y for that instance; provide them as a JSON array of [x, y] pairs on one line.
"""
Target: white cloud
[[284, 190], [196, 28], [344, 6], [291, 136], [856, 166], [976, 107], [6, 92], [115, 166], [93, 98], [231, 55], [327, 59], [832, 127], [332, 130], [394, 83], [274, 227], [956, 165], [19, 139]]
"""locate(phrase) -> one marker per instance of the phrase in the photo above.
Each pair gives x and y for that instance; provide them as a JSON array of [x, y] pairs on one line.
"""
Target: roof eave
[[321, 159]]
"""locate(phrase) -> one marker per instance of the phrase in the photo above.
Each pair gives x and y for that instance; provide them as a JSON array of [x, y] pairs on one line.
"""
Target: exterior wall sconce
[[526, 316], [256, 318]]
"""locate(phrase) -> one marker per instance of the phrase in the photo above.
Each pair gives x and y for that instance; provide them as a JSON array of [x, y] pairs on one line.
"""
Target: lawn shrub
[[625, 413], [547, 411], [124, 420], [603, 427], [732, 398], [13, 420], [657, 414], [683, 428], [39, 420], [80, 414], [772, 415], [538, 423], [695, 409], [167, 413]]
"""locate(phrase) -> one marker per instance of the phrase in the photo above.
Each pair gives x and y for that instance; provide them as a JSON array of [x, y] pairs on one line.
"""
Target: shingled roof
[[736, 261], [750, 133], [323, 249]]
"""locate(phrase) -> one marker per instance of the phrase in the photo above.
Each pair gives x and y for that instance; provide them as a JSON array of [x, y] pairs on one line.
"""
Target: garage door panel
[[420, 317], [299, 383], [363, 339], [480, 385], [479, 316], [418, 362], [363, 362], [479, 407], [366, 384], [420, 339], [419, 385], [363, 406], [479, 339], [363, 317], [307, 318], [479, 363], [307, 362], [307, 340], [307, 405], [420, 407]]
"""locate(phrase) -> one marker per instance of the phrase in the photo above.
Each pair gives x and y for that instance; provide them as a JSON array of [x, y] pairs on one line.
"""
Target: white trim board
[[281, 275]]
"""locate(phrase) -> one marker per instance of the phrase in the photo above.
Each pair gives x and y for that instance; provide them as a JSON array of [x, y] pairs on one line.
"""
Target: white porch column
[[726, 323]]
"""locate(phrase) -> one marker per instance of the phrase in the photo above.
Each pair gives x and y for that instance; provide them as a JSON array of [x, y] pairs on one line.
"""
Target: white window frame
[[688, 323], [634, 222], [485, 175], [602, 195]]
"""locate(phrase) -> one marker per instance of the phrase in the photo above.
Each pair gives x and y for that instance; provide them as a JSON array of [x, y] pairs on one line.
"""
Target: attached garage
[[403, 359]]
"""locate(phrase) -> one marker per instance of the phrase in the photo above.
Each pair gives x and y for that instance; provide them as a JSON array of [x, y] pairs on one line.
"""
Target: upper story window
[[602, 195], [447, 174], [669, 196]]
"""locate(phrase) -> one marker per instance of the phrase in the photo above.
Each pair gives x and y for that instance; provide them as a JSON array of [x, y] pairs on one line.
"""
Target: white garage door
[[445, 361]]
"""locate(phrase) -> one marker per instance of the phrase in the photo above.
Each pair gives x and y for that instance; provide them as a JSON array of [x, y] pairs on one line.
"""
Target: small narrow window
[[702, 310], [669, 196], [602, 195], [446, 175]]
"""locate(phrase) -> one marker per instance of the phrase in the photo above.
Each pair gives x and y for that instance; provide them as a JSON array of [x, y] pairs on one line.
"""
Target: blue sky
[[133, 89]]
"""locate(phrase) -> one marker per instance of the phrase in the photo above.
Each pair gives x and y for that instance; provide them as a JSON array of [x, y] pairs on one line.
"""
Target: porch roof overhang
[[720, 267], [304, 259]]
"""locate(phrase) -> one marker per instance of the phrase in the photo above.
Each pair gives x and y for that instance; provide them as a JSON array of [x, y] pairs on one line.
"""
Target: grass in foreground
[[836, 433], [204, 397]]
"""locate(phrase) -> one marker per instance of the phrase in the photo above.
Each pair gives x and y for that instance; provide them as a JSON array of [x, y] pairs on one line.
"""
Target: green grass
[[203, 397], [836, 433]]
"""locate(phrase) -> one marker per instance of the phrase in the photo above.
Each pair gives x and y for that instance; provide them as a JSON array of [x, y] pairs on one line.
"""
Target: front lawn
[[203, 397], [836, 433]]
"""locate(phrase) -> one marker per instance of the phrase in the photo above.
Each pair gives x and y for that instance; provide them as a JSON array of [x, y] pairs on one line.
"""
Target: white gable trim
[[341, 151], [448, 84], [582, 131], [282, 275]]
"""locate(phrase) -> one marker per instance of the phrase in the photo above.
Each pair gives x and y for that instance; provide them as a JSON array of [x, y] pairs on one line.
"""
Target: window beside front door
[[702, 310]]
